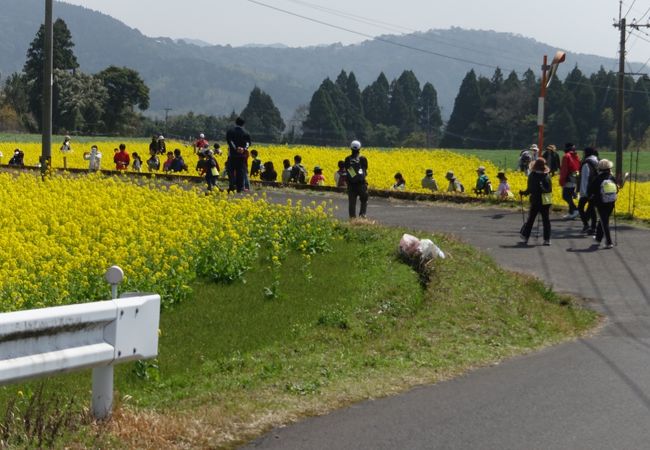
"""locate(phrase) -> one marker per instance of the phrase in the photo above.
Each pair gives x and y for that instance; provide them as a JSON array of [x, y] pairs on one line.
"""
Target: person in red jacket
[[569, 171], [122, 158]]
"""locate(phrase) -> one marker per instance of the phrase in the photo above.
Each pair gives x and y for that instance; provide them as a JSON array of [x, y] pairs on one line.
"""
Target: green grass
[[351, 324]]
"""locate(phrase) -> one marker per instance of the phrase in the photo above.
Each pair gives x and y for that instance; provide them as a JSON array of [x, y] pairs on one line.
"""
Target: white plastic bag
[[428, 250], [409, 245]]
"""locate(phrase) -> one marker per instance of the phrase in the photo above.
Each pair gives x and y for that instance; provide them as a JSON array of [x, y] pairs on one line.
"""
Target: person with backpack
[[298, 171], [552, 159], [526, 157], [539, 188], [569, 172], [210, 169], [603, 192], [454, 184], [357, 168], [483, 183], [341, 175], [588, 172]]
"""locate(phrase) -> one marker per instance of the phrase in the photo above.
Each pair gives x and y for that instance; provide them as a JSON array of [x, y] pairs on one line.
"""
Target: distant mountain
[[197, 42], [218, 79]]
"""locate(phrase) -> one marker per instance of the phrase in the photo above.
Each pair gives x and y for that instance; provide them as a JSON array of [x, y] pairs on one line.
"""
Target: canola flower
[[59, 236], [383, 164]]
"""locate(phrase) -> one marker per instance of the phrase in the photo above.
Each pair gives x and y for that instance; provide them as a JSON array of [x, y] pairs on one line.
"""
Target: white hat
[[355, 145], [605, 164], [202, 136], [533, 147], [161, 138]]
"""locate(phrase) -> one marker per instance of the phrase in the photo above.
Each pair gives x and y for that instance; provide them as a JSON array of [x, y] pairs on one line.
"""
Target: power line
[[377, 38], [630, 8]]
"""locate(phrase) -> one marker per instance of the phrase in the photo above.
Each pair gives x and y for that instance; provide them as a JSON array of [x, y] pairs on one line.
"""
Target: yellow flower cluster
[[383, 165], [60, 235]]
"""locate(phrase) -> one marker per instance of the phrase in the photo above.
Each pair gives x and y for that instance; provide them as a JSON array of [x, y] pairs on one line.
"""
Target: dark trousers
[[357, 190], [538, 208], [588, 214], [236, 176], [604, 212], [567, 196]]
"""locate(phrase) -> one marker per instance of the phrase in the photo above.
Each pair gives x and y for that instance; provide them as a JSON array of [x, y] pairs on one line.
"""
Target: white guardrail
[[96, 335]]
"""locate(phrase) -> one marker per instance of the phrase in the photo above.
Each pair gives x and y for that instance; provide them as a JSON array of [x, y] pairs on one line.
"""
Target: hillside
[[218, 79]]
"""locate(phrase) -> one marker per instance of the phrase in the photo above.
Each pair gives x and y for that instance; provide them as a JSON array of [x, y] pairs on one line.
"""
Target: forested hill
[[218, 79]]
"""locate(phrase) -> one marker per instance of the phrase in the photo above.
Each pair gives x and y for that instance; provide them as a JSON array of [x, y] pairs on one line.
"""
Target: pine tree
[[263, 119], [323, 125], [430, 119], [376, 101], [466, 107], [63, 59]]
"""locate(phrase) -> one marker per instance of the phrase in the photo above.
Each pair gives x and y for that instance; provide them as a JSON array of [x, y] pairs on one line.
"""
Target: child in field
[[256, 164], [317, 179], [400, 182], [286, 172], [137, 162], [269, 173], [341, 175], [167, 166], [153, 163], [503, 191]]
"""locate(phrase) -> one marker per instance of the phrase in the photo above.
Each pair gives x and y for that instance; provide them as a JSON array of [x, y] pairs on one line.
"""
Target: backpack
[[298, 174], [356, 173], [460, 186], [524, 160], [608, 191]]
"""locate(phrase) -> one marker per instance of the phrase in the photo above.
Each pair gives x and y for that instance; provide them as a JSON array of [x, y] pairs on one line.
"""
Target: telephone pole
[[622, 25]]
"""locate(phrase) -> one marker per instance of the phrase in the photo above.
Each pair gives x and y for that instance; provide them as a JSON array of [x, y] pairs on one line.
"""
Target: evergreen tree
[[640, 109], [404, 99], [466, 107], [584, 107], [82, 100], [376, 101], [263, 119], [63, 59], [323, 125], [356, 121], [561, 127], [430, 119]]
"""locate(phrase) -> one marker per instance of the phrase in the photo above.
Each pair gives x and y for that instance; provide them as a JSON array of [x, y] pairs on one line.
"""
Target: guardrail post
[[102, 402]]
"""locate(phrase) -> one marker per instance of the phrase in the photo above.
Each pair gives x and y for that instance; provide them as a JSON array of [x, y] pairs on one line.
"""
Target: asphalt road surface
[[589, 394]]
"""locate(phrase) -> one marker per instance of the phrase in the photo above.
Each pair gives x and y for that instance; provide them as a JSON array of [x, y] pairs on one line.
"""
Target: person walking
[[569, 172], [588, 172], [539, 188], [603, 192], [552, 159], [238, 142], [357, 169]]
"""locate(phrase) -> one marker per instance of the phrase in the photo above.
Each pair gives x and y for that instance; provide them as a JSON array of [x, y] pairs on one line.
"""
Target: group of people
[[588, 179]]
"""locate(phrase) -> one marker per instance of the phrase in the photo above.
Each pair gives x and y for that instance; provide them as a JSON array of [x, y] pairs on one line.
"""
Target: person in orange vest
[[122, 158]]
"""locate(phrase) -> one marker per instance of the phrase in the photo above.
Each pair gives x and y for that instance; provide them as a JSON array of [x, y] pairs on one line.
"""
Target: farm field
[[383, 164]]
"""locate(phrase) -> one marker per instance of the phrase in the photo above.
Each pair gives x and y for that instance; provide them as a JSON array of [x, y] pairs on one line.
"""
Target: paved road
[[589, 394]]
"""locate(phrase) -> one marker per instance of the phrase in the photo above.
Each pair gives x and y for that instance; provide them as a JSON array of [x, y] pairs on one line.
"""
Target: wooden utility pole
[[46, 138]]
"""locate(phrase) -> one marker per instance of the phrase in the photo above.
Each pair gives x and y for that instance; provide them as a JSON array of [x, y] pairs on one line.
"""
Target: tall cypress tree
[[376, 101], [323, 125], [405, 96], [466, 107], [263, 119], [63, 59], [430, 119]]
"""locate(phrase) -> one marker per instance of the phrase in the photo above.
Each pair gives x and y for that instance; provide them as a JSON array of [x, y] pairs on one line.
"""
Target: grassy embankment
[[353, 324]]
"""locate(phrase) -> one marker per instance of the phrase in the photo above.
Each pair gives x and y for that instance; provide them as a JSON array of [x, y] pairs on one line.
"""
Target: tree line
[[101, 103]]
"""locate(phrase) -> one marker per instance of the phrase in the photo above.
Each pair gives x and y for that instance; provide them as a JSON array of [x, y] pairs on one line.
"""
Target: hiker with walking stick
[[539, 188], [603, 191]]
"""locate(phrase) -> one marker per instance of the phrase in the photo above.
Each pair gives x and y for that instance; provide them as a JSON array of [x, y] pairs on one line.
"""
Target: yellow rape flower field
[[59, 236], [383, 164]]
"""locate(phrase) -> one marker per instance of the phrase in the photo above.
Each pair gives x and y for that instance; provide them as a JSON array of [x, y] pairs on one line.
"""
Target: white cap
[[202, 136], [161, 138], [355, 145]]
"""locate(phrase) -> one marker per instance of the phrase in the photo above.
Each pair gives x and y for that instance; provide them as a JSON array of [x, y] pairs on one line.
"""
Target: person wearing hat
[[66, 146], [454, 184], [539, 184], [357, 169], [603, 192], [210, 169], [317, 179], [503, 191], [569, 172], [552, 159], [526, 157], [428, 181], [588, 172], [161, 146], [201, 144], [483, 183]]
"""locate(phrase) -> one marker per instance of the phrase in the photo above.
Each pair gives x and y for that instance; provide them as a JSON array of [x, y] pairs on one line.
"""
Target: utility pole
[[46, 138], [622, 25]]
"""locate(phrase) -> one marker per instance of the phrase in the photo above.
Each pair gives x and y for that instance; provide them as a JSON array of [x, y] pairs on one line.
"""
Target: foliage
[[263, 119], [125, 90], [60, 236]]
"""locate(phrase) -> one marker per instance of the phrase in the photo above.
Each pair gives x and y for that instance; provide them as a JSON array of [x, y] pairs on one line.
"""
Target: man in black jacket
[[357, 169], [238, 142]]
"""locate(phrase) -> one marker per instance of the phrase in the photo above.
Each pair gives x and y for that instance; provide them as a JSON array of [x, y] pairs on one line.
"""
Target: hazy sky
[[583, 26]]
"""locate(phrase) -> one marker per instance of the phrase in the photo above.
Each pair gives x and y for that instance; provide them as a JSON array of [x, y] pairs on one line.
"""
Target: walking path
[[589, 394]]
